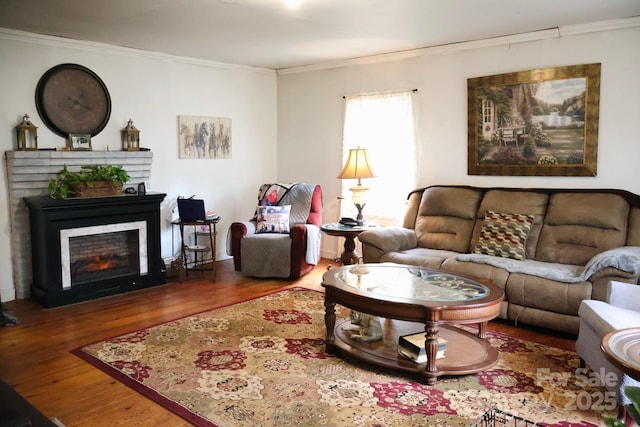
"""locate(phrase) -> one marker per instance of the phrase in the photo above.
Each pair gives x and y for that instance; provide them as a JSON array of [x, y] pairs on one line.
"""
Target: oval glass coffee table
[[411, 300]]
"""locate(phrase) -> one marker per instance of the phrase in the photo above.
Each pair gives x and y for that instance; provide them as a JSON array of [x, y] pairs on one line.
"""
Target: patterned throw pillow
[[504, 235], [273, 219]]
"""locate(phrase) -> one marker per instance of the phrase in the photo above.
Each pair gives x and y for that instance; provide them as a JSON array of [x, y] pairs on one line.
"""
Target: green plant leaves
[[61, 187]]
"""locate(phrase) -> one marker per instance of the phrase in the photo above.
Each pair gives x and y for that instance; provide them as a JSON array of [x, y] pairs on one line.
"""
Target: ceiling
[[266, 33]]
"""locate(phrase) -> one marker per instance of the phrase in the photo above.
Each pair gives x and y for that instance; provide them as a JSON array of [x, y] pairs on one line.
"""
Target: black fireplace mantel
[[49, 216]]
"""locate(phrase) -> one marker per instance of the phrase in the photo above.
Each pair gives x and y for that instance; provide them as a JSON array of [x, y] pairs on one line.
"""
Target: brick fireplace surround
[[28, 174]]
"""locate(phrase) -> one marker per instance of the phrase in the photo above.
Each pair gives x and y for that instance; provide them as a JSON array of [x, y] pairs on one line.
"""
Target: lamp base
[[359, 218]]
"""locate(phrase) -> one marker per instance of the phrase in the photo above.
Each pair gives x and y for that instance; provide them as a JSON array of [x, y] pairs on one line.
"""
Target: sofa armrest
[[237, 231], [624, 295], [625, 259], [298, 236], [388, 239]]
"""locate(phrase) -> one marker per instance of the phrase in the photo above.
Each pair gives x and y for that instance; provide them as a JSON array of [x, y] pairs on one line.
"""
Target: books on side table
[[412, 347]]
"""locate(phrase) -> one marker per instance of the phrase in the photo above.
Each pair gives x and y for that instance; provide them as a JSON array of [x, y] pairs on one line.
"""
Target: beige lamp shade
[[357, 165]]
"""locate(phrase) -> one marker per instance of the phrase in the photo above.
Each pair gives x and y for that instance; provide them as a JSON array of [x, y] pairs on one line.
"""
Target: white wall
[[310, 111], [152, 89]]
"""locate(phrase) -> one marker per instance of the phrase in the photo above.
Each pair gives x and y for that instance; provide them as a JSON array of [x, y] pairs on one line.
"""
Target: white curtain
[[383, 123]]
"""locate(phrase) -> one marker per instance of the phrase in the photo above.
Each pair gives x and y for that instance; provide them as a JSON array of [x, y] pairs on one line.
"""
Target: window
[[384, 124], [486, 108]]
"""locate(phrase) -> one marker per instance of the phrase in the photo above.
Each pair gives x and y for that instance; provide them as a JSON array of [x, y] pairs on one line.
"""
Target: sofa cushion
[[565, 273], [497, 275], [546, 294], [266, 255], [580, 225], [504, 235], [423, 257], [446, 217], [524, 202]]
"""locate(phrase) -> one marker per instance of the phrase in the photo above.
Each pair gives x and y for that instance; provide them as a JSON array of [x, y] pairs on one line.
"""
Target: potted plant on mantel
[[90, 181]]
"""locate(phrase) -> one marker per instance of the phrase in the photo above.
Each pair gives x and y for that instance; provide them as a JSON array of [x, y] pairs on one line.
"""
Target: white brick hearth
[[28, 174]]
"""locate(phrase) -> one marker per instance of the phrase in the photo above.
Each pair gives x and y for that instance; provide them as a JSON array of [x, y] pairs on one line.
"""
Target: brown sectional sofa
[[579, 241]]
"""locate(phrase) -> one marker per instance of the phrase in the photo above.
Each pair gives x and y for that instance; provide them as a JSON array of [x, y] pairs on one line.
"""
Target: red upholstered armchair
[[271, 250]]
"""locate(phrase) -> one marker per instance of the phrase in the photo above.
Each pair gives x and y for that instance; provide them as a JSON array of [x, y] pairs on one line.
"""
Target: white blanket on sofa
[[625, 258]]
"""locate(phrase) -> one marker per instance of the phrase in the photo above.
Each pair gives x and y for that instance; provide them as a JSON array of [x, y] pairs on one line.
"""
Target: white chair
[[598, 318]]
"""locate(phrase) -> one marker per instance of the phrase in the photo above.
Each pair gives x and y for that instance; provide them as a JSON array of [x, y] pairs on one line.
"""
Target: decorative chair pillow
[[273, 219], [504, 235]]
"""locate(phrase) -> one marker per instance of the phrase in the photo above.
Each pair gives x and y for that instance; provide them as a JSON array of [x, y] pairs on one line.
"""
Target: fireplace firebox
[[92, 247]]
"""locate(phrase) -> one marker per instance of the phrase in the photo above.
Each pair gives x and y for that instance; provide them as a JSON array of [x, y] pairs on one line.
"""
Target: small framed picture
[[80, 141]]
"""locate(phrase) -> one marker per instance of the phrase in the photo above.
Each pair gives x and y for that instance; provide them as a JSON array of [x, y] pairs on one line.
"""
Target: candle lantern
[[130, 137], [27, 134]]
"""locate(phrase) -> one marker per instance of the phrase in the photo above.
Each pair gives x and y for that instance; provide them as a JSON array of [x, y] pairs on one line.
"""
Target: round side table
[[349, 255], [198, 250], [622, 348]]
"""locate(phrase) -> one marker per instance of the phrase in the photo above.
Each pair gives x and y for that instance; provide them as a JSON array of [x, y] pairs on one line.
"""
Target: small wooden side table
[[622, 348], [349, 255], [196, 249]]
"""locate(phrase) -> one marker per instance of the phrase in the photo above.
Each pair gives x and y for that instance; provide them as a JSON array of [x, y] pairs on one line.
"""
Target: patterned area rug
[[263, 363]]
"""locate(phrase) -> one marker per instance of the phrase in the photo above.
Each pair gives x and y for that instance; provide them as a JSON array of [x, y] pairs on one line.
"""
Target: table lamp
[[357, 167]]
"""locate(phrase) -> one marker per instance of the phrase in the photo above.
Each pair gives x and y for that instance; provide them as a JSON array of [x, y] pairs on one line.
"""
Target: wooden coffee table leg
[[329, 321], [431, 345], [482, 330]]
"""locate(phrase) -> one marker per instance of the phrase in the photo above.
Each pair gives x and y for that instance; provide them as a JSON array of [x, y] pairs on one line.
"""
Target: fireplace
[[87, 248], [97, 252]]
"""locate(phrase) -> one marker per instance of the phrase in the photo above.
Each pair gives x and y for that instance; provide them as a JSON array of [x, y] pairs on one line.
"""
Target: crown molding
[[556, 32], [26, 37], [594, 27]]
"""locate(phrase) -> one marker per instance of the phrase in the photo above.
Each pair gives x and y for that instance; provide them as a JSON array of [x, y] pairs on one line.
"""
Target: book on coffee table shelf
[[418, 358], [412, 347]]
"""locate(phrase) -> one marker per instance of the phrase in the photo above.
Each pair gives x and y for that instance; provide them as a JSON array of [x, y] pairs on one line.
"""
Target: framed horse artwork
[[204, 137]]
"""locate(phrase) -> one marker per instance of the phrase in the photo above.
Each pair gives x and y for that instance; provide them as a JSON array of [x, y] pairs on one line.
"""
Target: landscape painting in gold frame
[[540, 122]]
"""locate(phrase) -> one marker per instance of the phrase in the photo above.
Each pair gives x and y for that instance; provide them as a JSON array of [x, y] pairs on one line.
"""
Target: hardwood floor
[[35, 356]]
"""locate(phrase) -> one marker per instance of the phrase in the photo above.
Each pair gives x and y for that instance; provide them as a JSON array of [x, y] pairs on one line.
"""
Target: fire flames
[[99, 264]]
